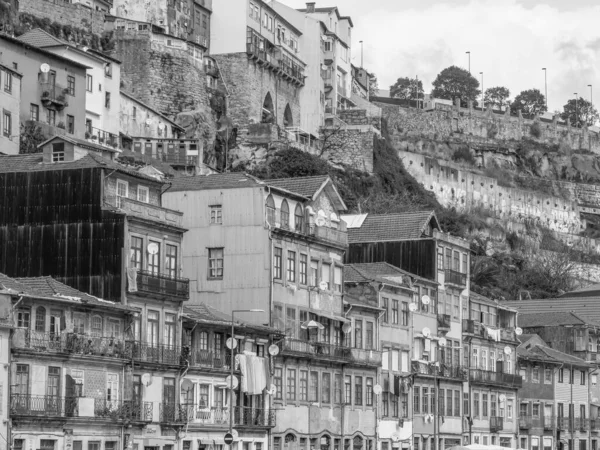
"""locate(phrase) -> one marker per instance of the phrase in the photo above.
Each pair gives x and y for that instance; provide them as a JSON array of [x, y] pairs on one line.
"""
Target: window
[[270, 207], [143, 194], [416, 400], [476, 404], [561, 375], [369, 391], [88, 126], [440, 258], [89, 83], [153, 257], [278, 382], [303, 268], [314, 387], [58, 152], [337, 388], [457, 403], [299, 218], [337, 278], [171, 261], [358, 336], [348, 390], [136, 252], [108, 70], [548, 376], [405, 311], [96, 326], [395, 305], [277, 257], [385, 304], [40, 319], [326, 388], [291, 266], [285, 214], [303, 385], [583, 377], [22, 379], [484, 405], [215, 263], [535, 410], [535, 374], [216, 214], [70, 124], [358, 391], [7, 124], [466, 404], [51, 117], [107, 99], [291, 385], [7, 82], [71, 85], [122, 192], [314, 273], [448, 401], [34, 112], [326, 274], [425, 400], [369, 338]]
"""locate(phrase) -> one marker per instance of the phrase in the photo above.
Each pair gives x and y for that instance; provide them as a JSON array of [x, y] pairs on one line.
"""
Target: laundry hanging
[[132, 279], [255, 374]]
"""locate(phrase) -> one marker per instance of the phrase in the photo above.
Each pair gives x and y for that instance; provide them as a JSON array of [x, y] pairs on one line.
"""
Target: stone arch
[[268, 110], [288, 119]]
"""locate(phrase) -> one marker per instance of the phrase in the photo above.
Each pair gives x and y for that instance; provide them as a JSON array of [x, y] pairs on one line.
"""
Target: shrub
[[463, 154], [535, 130]]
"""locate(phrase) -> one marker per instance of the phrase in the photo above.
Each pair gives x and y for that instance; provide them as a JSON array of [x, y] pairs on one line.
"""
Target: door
[[137, 410], [56, 320], [20, 399], [169, 399], [53, 391], [152, 335], [112, 391]]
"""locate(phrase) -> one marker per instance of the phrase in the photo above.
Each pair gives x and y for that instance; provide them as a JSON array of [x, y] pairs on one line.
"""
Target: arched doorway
[[325, 443], [288, 119], [290, 442], [268, 111], [357, 443]]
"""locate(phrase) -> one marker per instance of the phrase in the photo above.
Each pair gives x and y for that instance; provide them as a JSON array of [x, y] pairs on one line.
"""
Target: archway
[[288, 119], [268, 112]]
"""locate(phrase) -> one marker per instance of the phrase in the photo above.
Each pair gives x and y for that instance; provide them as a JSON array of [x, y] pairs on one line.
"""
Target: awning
[[331, 316]]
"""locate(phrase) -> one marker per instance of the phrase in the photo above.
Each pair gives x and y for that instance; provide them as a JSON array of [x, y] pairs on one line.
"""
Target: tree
[[497, 97], [407, 88], [530, 102], [579, 112], [454, 82], [31, 137], [373, 85]]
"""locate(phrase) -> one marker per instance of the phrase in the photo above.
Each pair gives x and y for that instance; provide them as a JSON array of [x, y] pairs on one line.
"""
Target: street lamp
[[231, 363], [545, 87], [482, 97], [469, 53], [361, 53]]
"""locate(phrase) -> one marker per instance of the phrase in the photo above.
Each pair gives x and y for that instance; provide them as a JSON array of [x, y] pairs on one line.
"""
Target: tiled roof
[[40, 38], [525, 337], [79, 142], [365, 272], [547, 354], [304, 186], [391, 227], [49, 288], [588, 307], [562, 357], [588, 291], [553, 318], [204, 313], [213, 181], [42, 51]]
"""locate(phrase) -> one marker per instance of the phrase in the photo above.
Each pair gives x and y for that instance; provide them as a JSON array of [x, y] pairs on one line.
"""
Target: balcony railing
[[70, 343], [581, 424], [326, 232], [497, 378], [332, 235], [54, 95], [549, 422], [496, 424], [564, 423], [151, 212], [156, 283], [369, 357], [123, 410], [157, 353], [318, 349], [43, 405], [175, 413], [177, 152], [443, 321], [455, 277], [507, 334], [208, 416], [595, 424], [211, 360], [442, 370], [253, 417], [102, 137], [525, 422]]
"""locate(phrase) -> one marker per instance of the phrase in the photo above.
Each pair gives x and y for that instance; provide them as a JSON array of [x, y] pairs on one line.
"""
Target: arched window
[[270, 210], [288, 119], [299, 218], [325, 442], [40, 319], [285, 214], [290, 442], [268, 112], [97, 326], [357, 443]]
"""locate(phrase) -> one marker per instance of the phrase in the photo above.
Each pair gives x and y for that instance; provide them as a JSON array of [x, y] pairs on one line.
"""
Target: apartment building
[[102, 85], [52, 87], [10, 99]]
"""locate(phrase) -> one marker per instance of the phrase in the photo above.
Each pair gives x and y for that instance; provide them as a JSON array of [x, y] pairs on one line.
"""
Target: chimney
[[310, 7]]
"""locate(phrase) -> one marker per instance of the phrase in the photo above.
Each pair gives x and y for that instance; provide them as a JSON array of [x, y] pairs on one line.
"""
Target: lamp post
[[231, 363], [482, 97], [361, 53], [545, 87], [469, 53]]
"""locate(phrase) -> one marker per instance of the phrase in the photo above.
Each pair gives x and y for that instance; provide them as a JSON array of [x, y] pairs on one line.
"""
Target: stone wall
[[447, 121], [350, 146], [358, 116], [72, 14]]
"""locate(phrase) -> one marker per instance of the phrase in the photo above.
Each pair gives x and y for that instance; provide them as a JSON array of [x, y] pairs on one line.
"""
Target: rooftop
[[203, 313], [391, 227], [381, 272], [214, 181], [42, 51], [588, 307], [554, 318], [307, 187]]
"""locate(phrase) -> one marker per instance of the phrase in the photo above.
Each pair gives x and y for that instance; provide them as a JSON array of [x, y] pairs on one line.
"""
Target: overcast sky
[[509, 40]]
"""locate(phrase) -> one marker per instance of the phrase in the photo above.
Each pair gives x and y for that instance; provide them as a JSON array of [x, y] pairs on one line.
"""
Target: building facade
[[10, 98]]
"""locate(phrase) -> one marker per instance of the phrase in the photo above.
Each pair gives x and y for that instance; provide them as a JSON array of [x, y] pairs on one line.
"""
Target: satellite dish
[[426, 332], [152, 248], [333, 216], [507, 350], [187, 385], [231, 343], [518, 331], [272, 390], [413, 307], [347, 327], [181, 434], [323, 285], [161, 125], [323, 37], [235, 434], [426, 299], [45, 68], [502, 397], [232, 382], [321, 213], [320, 221], [442, 342], [323, 67], [273, 350], [377, 389], [148, 122], [147, 379]]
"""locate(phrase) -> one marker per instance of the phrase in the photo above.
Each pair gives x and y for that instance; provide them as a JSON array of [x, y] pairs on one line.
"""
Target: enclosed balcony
[[210, 360], [443, 322], [150, 212], [157, 283], [176, 152], [496, 378], [496, 424], [456, 278], [441, 370], [54, 96], [328, 230], [156, 353], [253, 417]]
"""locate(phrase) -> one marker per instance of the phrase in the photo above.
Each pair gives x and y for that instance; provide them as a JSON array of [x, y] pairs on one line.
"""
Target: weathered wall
[[72, 14], [351, 146]]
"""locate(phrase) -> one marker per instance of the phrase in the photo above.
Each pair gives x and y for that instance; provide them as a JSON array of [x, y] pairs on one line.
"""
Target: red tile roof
[[203, 313], [304, 186], [392, 227], [588, 307], [214, 181], [554, 318]]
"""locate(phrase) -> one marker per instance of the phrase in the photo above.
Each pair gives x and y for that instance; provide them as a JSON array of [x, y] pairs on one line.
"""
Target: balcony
[[456, 278], [525, 422], [156, 353], [496, 378], [154, 283], [210, 360], [443, 322], [341, 90], [496, 424], [176, 152], [151, 212], [290, 66], [123, 410], [54, 96], [444, 370], [69, 343], [331, 235], [331, 231], [367, 357], [315, 349], [549, 422], [98, 136], [507, 334], [581, 424], [253, 417], [175, 413], [47, 406], [564, 423], [595, 425], [208, 416]]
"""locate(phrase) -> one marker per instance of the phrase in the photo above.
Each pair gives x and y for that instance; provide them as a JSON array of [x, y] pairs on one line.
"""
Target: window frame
[[146, 190], [213, 269], [216, 214]]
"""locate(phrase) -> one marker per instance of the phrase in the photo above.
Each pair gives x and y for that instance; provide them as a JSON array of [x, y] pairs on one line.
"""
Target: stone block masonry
[[350, 146], [64, 13]]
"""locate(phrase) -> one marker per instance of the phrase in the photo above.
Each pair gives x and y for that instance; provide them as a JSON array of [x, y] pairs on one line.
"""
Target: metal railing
[[443, 321], [496, 424], [123, 410], [213, 360], [158, 283], [595, 424], [253, 417], [208, 416], [157, 353], [564, 423], [525, 422], [320, 349], [455, 277], [175, 413], [54, 93], [442, 370], [549, 422], [102, 137], [581, 424], [498, 378], [43, 405], [154, 213], [328, 234]]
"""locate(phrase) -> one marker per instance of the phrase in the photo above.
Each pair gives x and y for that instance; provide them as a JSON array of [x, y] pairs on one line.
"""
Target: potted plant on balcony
[[88, 135], [61, 125], [101, 139], [61, 98], [45, 95]]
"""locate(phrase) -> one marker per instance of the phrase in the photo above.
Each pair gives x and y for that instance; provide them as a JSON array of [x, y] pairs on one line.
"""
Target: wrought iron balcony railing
[[208, 416], [455, 277], [43, 405], [123, 410], [158, 283], [595, 424], [175, 413], [102, 137], [54, 95], [211, 360], [564, 423], [318, 349], [157, 353], [497, 378], [442, 370], [549, 422], [253, 417], [496, 424]]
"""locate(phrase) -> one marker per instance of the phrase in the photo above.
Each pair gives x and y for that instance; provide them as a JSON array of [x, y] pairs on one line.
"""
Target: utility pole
[[469, 53], [482, 97], [545, 87], [361, 54]]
